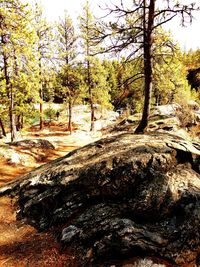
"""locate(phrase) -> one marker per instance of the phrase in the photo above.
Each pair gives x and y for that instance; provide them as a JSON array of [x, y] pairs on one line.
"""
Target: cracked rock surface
[[120, 196]]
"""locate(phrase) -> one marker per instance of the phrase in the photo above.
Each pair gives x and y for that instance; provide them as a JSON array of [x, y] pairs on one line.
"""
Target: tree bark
[[148, 39], [19, 125], [90, 96], [22, 121], [9, 92], [41, 110], [70, 117], [2, 127], [13, 130], [41, 96], [92, 115]]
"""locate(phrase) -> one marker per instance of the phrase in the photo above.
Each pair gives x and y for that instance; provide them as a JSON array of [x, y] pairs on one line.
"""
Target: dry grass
[[195, 131]]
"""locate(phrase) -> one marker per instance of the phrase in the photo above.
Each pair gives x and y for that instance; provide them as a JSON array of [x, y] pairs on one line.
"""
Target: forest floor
[[20, 244]]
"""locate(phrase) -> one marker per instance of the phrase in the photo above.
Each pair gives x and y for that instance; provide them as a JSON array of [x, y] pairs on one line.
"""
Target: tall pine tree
[[16, 39], [87, 27], [44, 52], [68, 76]]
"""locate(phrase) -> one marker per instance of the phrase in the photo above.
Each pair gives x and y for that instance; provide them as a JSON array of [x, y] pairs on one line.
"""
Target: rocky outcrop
[[120, 196], [34, 143], [26, 152]]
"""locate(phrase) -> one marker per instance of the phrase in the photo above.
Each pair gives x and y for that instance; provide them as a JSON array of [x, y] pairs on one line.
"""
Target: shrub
[[186, 115], [50, 114]]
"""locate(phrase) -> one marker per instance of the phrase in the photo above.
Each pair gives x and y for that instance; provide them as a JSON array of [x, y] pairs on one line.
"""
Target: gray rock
[[167, 110], [145, 263], [123, 195], [15, 158], [34, 143], [69, 234]]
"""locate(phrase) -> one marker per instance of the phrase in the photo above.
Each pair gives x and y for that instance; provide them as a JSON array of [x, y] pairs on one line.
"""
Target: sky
[[188, 37]]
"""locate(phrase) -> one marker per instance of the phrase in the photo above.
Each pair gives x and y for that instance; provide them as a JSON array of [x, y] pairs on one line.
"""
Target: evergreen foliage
[[18, 71], [41, 62]]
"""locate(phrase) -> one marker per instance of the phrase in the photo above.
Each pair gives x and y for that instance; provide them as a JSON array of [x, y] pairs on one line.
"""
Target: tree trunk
[[2, 127], [41, 110], [147, 65], [70, 116], [19, 124], [9, 92], [92, 114], [90, 96], [22, 121], [41, 95], [13, 130], [157, 99]]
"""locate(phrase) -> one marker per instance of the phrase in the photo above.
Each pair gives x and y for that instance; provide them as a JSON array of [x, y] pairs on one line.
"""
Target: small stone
[[15, 158], [89, 253], [69, 233]]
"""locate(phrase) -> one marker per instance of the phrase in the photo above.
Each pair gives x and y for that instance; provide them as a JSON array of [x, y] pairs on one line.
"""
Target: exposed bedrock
[[120, 196]]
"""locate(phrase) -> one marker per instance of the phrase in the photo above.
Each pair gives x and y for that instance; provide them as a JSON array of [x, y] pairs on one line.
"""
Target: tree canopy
[[126, 58]]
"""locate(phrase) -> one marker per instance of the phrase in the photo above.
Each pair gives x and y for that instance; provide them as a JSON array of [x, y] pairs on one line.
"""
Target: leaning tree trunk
[[147, 65], [2, 127]]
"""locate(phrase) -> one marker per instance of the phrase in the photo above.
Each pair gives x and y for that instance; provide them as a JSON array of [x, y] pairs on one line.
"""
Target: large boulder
[[166, 110], [34, 143], [118, 197]]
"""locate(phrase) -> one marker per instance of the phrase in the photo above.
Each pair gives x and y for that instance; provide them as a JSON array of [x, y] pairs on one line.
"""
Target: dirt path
[[21, 245]]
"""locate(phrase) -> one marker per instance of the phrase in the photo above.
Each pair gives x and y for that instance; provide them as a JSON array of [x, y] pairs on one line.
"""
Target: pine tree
[[100, 85], [66, 41], [43, 50], [16, 41], [69, 85], [66, 55], [87, 27], [133, 33]]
